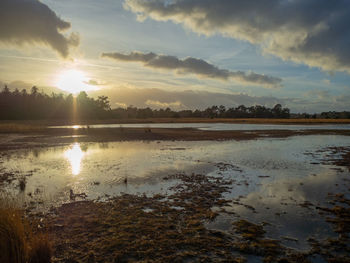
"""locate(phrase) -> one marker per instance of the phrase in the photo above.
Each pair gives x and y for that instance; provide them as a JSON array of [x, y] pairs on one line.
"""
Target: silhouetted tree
[[21, 105], [36, 105]]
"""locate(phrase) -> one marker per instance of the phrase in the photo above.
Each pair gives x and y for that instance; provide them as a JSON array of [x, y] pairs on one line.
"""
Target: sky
[[182, 54]]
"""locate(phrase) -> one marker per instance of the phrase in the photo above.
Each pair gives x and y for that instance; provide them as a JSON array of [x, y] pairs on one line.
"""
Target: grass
[[18, 243], [40, 249], [19, 128], [42, 123], [13, 247]]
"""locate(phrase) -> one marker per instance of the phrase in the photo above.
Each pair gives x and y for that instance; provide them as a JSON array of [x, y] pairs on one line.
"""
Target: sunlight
[[74, 81], [74, 156]]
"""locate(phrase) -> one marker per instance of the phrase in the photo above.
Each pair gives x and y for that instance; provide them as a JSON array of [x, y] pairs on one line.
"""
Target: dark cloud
[[313, 32], [195, 66], [32, 22]]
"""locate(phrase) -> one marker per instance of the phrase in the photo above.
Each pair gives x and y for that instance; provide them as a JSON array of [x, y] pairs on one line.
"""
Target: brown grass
[[13, 246], [40, 249], [18, 244], [42, 123], [20, 128]]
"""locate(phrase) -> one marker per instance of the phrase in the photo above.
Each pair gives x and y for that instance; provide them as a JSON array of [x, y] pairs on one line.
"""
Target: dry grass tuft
[[12, 236], [40, 250], [18, 244]]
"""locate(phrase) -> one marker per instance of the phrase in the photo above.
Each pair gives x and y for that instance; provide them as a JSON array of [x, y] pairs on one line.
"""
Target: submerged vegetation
[[172, 228]]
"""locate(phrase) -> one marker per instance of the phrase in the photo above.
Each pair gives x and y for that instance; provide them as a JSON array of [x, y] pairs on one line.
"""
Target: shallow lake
[[217, 126], [271, 177]]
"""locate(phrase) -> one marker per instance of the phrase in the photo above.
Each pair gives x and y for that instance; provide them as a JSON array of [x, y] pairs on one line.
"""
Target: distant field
[[12, 123]]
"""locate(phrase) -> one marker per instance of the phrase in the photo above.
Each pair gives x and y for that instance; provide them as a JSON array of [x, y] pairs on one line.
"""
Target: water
[[217, 126], [273, 176]]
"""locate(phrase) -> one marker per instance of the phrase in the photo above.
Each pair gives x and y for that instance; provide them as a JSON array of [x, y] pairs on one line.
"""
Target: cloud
[[313, 32], [319, 94], [163, 105], [184, 99], [95, 82], [32, 22], [120, 105], [326, 81], [199, 99], [195, 66]]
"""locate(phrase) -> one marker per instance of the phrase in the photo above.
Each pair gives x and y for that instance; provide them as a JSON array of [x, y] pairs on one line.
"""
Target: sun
[[74, 81]]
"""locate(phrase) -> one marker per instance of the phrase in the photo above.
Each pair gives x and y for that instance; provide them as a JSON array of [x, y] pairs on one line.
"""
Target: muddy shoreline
[[55, 136]]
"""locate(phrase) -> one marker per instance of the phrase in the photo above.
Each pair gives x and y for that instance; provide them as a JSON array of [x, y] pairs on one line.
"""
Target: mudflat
[[42, 136]]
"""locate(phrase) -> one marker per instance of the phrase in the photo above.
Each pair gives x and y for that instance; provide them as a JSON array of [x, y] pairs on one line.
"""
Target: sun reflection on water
[[74, 156]]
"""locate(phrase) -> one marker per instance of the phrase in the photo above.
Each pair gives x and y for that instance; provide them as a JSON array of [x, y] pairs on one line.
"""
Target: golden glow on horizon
[[74, 81], [75, 156]]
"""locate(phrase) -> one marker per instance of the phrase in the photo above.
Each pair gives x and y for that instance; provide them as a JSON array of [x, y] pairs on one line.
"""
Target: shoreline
[[54, 136]]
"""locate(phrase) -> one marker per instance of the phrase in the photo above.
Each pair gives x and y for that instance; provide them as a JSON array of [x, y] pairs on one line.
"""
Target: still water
[[273, 176]]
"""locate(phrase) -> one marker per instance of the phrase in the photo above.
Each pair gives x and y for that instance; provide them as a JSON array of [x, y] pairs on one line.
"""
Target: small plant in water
[[22, 184]]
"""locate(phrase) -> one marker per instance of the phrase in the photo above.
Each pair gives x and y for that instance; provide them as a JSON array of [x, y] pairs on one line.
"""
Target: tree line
[[221, 111], [323, 115], [38, 105], [23, 105]]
